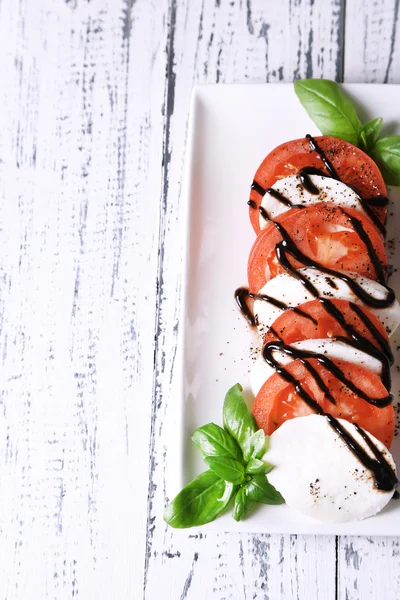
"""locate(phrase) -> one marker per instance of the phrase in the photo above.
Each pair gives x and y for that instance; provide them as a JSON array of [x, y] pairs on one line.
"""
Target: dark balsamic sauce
[[287, 246], [302, 355], [280, 197], [366, 203], [328, 165], [242, 295], [382, 341], [364, 237], [275, 333], [307, 183], [306, 179], [378, 200], [384, 476], [258, 188]]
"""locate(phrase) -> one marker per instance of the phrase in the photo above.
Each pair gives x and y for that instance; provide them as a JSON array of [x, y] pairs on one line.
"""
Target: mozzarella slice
[[288, 289], [330, 190], [335, 349], [319, 476]]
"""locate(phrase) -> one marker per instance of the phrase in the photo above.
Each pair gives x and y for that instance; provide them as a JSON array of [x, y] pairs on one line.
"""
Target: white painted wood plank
[[369, 568], [80, 153], [372, 41], [226, 42]]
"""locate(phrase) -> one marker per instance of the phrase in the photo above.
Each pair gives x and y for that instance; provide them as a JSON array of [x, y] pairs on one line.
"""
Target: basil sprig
[[236, 471], [335, 115]]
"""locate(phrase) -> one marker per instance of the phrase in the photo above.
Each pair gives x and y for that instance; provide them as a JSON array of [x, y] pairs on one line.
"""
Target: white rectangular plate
[[232, 128]]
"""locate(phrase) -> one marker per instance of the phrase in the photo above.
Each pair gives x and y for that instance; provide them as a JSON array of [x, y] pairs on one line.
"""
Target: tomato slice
[[325, 234], [277, 400], [352, 165], [292, 326]]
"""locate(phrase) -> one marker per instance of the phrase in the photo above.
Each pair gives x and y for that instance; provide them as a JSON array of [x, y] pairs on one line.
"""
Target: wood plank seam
[[168, 109]]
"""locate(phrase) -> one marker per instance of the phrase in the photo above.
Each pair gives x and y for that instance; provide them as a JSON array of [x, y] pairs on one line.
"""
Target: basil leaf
[[238, 420], [330, 110], [226, 468], [242, 504], [260, 490], [386, 152], [256, 467], [363, 141], [199, 502], [212, 440], [239, 506], [255, 446], [370, 132]]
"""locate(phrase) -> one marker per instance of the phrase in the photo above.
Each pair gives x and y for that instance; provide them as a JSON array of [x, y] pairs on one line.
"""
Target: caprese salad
[[318, 292]]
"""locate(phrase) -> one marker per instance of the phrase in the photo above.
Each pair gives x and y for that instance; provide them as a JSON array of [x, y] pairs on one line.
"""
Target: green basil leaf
[[363, 141], [260, 490], [268, 468], [242, 504], [238, 420], [255, 446], [256, 467], [386, 152], [212, 440], [370, 132], [226, 468], [199, 502], [329, 108], [239, 506]]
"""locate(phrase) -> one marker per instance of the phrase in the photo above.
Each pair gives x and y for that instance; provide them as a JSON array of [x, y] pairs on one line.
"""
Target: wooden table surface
[[93, 114]]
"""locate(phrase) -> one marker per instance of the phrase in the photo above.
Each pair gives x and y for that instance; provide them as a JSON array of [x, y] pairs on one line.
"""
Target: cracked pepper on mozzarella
[[332, 348], [330, 190], [319, 476], [288, 289]]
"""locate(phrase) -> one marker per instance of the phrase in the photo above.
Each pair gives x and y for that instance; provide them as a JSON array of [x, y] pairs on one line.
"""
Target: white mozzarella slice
[[334, 349], [290, 290], [319, 476], [291, 187]]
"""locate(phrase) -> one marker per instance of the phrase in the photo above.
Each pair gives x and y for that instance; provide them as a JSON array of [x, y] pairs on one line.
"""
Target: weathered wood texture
[[370, 567], [80, 151], [227, 42], [93, 121], [372, 41]]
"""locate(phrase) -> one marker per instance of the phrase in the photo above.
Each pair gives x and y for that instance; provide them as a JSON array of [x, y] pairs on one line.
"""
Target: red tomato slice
[[352, 165], [277, 401], [292, 327], [324, 233]]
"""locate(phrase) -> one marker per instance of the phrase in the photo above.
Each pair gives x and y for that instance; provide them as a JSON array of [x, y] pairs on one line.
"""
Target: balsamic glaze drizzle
[[278, 196], [382, 341], [378, 200], [287, 246], [362, 342], [328, 165], [366, 203], [242, 295], [306, 179], [258, 188], [302, 355], [307, 183], [364, 237], [384, 476]]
